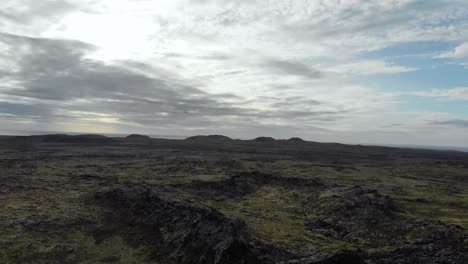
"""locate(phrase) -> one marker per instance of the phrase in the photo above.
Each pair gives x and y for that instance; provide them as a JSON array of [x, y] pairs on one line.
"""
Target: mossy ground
[[46, 215]]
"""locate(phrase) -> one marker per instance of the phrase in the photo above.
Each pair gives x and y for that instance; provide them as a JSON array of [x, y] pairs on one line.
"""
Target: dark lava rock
[[357, 203], [180, 233], [424, 242], [248, 182], [341, 257], [357, 214], [342, 212], [137, 136], [422, 254]]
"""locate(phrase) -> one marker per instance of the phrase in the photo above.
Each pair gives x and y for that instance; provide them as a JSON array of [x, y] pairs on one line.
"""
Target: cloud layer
[[241, 68]]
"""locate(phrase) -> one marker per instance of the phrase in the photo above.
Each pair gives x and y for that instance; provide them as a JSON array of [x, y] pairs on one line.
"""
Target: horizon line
[[182, 137]]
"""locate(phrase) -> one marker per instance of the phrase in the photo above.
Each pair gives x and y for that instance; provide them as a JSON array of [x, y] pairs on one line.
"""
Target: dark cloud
[[291, 68], [7, 16], [26, 11], [57, 70], [24, 110], [68, 85], [217, 56], [454, 122], [296, 101]]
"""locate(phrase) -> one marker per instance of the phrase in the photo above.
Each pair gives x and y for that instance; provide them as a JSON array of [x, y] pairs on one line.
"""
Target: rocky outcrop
[[357, 214], [248, 182], [341, 257], [179, 233]]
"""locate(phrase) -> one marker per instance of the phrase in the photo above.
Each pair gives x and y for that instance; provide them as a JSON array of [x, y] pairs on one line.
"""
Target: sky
[[352, 71]]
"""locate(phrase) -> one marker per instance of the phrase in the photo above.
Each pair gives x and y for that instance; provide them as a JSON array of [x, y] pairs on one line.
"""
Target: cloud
[[25, 11], [370, 67], [460, 51], [71, 87], [454, 122], [456, 94], [23, 110], [36, 17], [291, 68], [57, 70]]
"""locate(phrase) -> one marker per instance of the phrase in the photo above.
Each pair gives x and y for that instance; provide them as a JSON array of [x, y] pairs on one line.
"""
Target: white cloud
[[459, 52], [459, 93], [370, 67]]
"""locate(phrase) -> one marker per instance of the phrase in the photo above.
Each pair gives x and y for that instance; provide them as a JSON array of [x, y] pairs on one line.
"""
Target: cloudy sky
[[393, 72]]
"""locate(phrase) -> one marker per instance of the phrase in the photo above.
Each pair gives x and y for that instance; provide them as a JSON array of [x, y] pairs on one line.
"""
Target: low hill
[[137, 136], [264, 139], [296, 139], [209, 138]]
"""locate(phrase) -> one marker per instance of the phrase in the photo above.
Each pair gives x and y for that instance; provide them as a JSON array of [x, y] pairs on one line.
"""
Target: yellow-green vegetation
[[274, 215], [424, 192], [111, 250], [48, 213]]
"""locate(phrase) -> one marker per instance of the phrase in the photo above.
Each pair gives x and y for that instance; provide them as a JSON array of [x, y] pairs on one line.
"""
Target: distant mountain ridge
[[107, 138]]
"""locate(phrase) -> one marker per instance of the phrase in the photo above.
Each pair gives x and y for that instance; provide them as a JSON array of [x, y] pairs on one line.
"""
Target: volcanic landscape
[[217, 200]]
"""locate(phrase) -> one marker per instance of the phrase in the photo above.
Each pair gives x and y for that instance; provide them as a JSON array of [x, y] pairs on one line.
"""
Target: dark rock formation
[[341, 257], [358, 214], [421, 254], [178, 232], [342, 212], [361, 204], [248, 182]]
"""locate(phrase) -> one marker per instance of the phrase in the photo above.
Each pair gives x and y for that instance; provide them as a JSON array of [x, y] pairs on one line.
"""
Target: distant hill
[[64, 138], [209, 138], [296, 139], [137, 136], [265, 139]]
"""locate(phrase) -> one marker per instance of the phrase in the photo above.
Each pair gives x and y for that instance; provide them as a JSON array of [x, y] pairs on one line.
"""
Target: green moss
[[113, 249], [275, 215], [335, 246], [50, 192], [384, 249]]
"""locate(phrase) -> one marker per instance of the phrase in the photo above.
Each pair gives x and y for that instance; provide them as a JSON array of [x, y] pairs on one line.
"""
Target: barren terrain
[[211, 199]]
